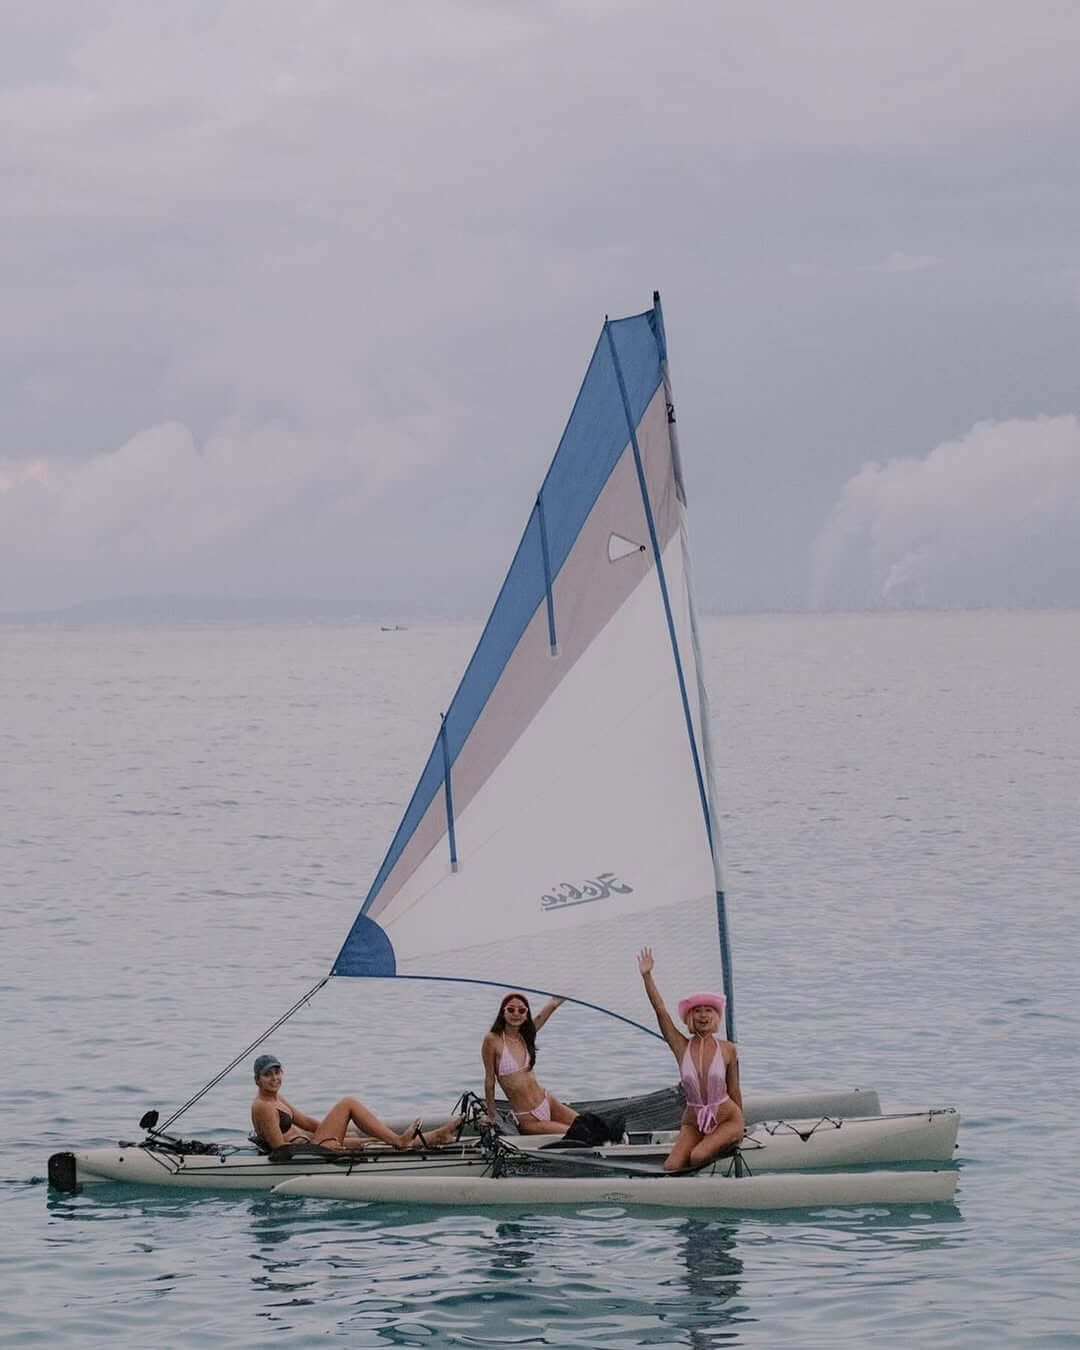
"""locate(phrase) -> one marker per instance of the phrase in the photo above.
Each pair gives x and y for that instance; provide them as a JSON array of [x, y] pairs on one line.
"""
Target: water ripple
[[901, 825]]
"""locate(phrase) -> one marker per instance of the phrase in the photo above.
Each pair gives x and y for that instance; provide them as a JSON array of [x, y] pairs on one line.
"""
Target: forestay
[[564, 817]]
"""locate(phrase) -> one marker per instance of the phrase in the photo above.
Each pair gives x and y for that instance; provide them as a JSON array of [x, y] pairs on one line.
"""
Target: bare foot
[[445, 1134], [407, 1138]]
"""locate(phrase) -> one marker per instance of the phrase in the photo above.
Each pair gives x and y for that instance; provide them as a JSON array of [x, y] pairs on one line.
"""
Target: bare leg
[[562, 1117], [686, 1141], [348, 1112], [729, 1131], [720, 1141], [527, 1125]]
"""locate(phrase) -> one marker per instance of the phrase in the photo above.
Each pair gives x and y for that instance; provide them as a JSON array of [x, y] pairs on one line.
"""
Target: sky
[[297, 297]]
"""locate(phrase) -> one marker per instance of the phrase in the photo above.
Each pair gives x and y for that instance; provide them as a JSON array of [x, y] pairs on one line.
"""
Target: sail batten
[[552, 637], [449, 794], [575, 810]]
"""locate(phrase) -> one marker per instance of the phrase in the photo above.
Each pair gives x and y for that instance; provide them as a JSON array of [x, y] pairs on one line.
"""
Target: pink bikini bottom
[[541, 1112]]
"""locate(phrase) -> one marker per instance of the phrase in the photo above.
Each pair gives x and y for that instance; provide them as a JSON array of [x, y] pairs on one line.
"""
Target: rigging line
[[706, 736], [304, 998], [704, 787], [650, 521], [501, 984]]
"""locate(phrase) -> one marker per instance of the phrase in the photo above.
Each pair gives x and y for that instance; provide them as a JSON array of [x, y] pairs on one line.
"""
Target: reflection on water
[[512, 1250], [598, 1276], [592, 1276], [711, 1279]]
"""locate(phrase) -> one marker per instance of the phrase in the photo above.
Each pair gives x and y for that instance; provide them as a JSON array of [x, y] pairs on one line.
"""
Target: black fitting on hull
[[63, 1174]]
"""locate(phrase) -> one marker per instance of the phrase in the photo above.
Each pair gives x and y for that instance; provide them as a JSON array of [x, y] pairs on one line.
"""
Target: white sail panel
[[588, 591], [568, 784], [596, 784], [580, 843]]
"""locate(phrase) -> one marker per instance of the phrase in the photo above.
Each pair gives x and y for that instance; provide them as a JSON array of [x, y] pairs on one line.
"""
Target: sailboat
[[565, 816]]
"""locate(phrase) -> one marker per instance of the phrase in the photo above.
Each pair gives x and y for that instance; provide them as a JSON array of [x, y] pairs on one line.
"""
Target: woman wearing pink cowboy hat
[[712, 1123]]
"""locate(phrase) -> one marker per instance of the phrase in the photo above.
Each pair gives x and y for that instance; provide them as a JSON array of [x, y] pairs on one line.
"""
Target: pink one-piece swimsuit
[[704, 1098]]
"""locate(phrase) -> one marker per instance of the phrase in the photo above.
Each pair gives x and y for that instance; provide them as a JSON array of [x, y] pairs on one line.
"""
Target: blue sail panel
[[594, 439]]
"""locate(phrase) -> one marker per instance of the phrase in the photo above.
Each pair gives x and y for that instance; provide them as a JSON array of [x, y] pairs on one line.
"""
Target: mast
[[702, 692]]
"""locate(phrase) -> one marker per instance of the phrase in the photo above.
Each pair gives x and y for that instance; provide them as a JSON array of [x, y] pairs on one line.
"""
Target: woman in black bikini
[[278, 1123]]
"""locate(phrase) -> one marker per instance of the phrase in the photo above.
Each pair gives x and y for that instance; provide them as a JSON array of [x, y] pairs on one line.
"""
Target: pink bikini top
[[508, 1064], [711, 1092]]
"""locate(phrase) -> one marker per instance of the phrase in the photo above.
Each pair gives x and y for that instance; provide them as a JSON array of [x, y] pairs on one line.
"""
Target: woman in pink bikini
[[509, 1054], [713, 1120]]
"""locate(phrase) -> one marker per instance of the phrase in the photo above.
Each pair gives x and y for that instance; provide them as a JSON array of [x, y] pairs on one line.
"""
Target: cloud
[[896, 262], [990, 519], [384, 225], [905, 262], [249, 512]]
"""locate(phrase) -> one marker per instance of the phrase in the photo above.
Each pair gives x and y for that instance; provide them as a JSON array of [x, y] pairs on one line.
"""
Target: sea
[[189, 820]]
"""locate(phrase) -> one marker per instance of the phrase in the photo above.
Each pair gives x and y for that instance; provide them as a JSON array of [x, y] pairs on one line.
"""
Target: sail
[[563, 819]]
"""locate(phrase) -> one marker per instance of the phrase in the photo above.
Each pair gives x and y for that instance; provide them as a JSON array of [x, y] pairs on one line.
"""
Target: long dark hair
[[527, 1030]]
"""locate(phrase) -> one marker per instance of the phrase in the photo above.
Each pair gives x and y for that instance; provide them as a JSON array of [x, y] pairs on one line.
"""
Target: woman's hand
[[670, 1032]]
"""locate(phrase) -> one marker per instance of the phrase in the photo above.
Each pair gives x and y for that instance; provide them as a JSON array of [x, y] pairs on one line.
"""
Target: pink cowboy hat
[[686, 1005]]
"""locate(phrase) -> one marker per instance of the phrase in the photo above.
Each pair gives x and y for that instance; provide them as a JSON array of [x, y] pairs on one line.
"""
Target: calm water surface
[[189, 822]]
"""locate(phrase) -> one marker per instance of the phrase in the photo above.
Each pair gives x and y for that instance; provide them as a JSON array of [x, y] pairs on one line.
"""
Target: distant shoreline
[[197, 614]]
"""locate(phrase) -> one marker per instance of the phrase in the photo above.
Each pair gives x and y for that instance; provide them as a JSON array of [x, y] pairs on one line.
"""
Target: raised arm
[[670, 1032], [546, 1011]]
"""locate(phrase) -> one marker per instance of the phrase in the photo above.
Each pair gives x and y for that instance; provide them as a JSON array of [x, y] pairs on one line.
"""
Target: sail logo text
[[598, 888]]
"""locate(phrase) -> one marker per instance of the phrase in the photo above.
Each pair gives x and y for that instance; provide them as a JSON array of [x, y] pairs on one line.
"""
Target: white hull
[[245, 1171], [792, 1191], [777, 1146], [785, 1106], [783, 1146]]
